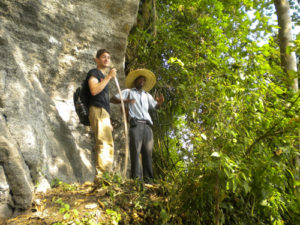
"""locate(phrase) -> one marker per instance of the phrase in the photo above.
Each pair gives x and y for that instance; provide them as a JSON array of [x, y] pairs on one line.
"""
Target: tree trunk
[[288, 59], [154, 18], [217, 199]]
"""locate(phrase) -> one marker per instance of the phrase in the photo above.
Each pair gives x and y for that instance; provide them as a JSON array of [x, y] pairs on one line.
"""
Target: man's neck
[[102, 69], [138, 89]]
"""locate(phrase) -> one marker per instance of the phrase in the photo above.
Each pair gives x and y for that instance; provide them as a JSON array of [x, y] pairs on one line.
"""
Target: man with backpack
[[138, 83], [99, 111]]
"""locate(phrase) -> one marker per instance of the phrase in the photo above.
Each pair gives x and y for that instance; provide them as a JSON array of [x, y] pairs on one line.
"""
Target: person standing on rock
[[99, 111], [138, 83]]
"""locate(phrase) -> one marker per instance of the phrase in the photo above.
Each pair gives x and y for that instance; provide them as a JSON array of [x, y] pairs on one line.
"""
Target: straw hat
[[150, 79]]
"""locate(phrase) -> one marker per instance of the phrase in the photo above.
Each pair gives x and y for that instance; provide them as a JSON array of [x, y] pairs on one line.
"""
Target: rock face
[[46, 49]]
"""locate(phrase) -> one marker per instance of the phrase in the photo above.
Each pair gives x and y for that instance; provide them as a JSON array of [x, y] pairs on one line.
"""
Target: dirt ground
[[107, 202]]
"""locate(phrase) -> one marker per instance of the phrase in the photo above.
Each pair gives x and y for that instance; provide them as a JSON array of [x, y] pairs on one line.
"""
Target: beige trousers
[[100, 124]]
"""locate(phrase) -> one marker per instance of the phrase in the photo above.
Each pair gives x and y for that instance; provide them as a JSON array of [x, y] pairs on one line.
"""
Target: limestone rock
[[46, 49], [17, 175]]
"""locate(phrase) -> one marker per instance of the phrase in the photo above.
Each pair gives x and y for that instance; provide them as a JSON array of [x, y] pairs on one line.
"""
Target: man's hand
[[112, 73], [160, 99]]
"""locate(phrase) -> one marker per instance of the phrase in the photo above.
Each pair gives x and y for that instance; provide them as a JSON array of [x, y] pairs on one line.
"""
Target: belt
[[134, 121], [141, 121]]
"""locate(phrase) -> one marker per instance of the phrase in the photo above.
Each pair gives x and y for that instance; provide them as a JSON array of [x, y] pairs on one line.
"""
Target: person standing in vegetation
[[99, 111], [139, 83]]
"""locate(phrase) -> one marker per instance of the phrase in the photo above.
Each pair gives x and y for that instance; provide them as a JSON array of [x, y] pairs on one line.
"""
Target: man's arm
[[116, 100], [96, 87]]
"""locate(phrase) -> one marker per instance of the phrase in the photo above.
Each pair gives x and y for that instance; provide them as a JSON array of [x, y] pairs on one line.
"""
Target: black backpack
[[80, 98]]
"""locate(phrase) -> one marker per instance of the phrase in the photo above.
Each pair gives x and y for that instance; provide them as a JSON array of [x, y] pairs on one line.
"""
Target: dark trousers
[[141, 142]]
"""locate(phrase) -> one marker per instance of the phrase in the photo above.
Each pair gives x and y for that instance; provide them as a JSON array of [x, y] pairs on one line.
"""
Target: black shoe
[[149, 181]]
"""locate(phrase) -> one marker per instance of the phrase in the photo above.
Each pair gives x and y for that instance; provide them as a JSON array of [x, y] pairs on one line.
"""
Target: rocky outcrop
[[46, 49]]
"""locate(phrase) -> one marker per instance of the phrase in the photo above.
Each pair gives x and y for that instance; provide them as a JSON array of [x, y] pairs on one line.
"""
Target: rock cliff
[[46, 49]]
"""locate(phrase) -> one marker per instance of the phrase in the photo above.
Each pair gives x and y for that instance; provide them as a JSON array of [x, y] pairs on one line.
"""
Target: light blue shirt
[[143, 103]]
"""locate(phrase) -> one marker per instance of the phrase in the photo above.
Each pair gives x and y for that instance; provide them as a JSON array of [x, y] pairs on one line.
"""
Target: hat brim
[[150, 79]]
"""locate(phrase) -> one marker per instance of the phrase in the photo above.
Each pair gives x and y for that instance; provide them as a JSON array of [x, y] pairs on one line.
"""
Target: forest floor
[[111, 201]]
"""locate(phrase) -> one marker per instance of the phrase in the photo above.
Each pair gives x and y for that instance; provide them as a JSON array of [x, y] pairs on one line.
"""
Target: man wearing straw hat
[[138, 83]]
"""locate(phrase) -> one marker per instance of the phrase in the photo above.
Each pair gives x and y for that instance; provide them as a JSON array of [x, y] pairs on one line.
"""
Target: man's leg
[[147, 149], [135, 134], [100, 123]]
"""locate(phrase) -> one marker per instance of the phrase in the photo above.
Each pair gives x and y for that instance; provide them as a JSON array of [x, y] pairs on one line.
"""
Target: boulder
[[46, 50]]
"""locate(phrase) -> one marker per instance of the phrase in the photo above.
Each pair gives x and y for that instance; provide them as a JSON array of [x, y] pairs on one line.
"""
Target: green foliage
[[67, 187], [115, 217], [227, 132], [72, 216], [55, 183]]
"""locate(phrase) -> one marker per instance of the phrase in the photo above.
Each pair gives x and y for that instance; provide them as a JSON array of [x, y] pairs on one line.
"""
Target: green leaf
[[215, 154], [264, 202], [204, 136], [278, 90]]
